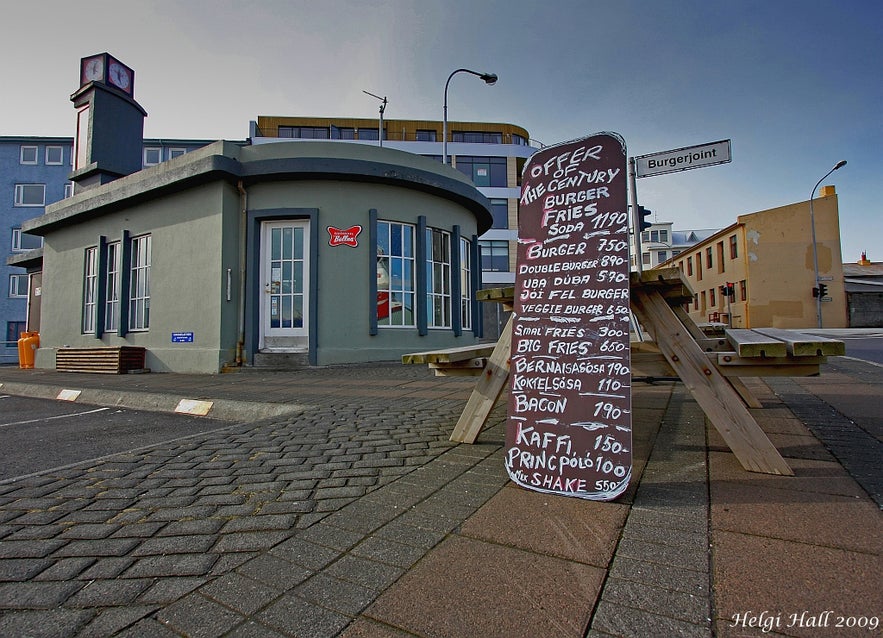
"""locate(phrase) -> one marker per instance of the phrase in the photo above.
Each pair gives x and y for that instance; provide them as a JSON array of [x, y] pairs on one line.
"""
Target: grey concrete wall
[[344, 303], [186, 231]]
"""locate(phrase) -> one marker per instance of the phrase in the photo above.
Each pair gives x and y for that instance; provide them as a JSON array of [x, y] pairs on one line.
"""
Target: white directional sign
[[683, 159]]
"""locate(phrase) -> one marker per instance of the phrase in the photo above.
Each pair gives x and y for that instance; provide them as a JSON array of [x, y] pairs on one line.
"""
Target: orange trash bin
[[27, 348]]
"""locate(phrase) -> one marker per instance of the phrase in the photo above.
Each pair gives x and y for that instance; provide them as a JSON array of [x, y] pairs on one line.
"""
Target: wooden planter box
[[118, 360]]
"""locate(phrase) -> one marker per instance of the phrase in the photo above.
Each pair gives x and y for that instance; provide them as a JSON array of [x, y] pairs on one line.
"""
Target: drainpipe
[[243, 212]]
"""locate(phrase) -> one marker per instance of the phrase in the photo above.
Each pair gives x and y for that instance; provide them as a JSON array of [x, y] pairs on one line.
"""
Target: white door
[[285, 293]]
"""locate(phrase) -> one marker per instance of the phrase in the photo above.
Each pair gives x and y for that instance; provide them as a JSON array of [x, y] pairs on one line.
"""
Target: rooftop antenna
[[382, 109]]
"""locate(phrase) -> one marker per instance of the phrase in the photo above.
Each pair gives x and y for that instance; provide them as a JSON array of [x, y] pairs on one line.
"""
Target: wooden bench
[[107, 360], [460, 361], [711, 367]]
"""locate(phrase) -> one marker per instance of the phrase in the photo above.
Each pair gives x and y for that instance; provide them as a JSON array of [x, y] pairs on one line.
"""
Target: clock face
[[119, 76], [93, 69]]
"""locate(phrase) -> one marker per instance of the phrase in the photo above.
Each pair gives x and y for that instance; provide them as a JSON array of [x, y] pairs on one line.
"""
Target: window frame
[[489, 252], [17, 246], [734, 247], [465, 283], [90, 290], [14, 290], [151, 149], [139, 283], [54, 147], [405, 266], [29, 148], [112, 289], [439, 293], [20, 196]]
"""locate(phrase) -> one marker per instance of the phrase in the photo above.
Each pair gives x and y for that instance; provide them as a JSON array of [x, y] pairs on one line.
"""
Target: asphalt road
[[868, 348], [41, 434]]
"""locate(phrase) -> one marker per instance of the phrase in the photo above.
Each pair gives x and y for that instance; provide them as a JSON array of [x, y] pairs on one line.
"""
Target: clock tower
[[110, 123]]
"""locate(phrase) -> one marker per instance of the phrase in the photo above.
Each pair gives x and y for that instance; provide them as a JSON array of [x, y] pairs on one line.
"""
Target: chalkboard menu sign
[[569, 420]]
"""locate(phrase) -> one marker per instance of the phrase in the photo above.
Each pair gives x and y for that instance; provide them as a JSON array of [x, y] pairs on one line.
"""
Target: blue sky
[[796, 85]]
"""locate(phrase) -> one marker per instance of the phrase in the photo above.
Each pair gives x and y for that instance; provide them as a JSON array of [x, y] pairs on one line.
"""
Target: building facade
[[299, 253], [660, 242], [760, 271], [492, 155], [34, 173]]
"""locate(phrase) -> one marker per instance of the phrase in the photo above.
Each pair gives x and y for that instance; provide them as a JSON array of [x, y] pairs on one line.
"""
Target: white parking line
[[51, 418]]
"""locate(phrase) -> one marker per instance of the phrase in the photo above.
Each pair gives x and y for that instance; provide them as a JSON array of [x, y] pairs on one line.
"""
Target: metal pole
[[815, 251], [382, 108], [636, 216], [633, 198]]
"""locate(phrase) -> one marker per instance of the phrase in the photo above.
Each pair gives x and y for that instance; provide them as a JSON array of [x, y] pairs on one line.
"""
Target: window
[[477, 137], [743, 290], [368, 134], [68, 190], [465, 284], [18, 285], [30, 194], [28, 155], [152, 156], [696, 301], [645, 258], [708, 261], [426, 135], [645, 236], [658, 235], [500, 212], [689, 266], [702, 305], [483, 171], [711, 297], [663, 256], [699, 267], [663, 235], [720, 257], [494, 256], [139, 286], [395, 274], [112, 289], [177, 152], [345, 133], [519, 140], [734, 250], [305, 132], [54, 155], [90, 290], [13, 332], [438, 278], [22, 241]]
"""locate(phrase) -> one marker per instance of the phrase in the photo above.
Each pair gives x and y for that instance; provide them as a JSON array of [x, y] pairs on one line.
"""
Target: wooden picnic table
[[709, 367]]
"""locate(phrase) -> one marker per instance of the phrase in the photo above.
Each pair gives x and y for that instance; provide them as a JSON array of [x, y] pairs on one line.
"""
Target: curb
[[222, 409]]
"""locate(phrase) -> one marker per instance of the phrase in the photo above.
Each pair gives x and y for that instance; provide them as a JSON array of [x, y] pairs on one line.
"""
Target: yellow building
[[766, 259]]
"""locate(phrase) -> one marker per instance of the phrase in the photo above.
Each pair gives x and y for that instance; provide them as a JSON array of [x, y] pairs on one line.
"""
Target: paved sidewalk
[[334, 504]]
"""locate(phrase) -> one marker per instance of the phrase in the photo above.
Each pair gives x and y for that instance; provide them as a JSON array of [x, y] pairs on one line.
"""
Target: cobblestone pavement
[[355, 516], [198, 535]]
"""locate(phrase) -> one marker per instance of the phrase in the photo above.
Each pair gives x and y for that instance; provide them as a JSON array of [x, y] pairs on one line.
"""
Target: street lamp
[[815, 251], [489, 78], [382, 109]]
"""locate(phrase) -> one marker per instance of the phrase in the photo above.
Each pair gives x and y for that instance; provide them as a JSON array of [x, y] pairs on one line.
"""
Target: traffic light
[[815, 292], [729, 290], [643, 214], [823, 290]]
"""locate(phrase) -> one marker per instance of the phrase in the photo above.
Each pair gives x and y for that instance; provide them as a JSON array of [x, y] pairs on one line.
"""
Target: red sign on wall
[[344, 236], [569, 417]]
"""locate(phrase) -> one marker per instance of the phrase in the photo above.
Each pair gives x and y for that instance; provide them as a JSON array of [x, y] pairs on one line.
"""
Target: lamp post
[[489, 78], [382, 109], [815, 251]]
